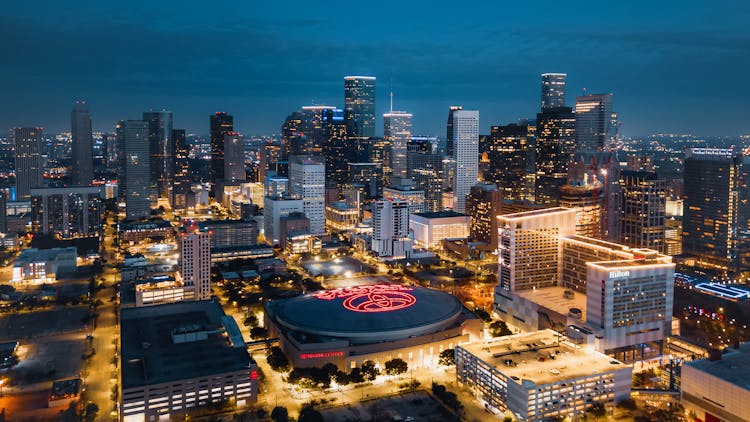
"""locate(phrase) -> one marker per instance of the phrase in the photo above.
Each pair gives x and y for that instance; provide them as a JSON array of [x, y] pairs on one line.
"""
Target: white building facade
[[390, 236], [465, 152], [195, 263], [307, 179]]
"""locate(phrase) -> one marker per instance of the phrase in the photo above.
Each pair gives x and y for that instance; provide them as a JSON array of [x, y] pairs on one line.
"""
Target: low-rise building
[[179, 356], [140, 231], [718, 388], [230, 232], [39, 266], [341, 216], [230, 253], [430, 228], [540, 375], [162, 289]]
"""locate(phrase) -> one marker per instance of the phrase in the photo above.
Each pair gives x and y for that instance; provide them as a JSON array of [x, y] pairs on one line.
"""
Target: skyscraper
[[80, 129], [182, 177], [28, 160], [553, 90], [483, 206], [195, 262], [642, 210], [464, 128], [359, 106], [508, 154], [426, 169], [136, 185], [555, 145], [711, 192], [161, 151], [397, 132], [307, 176], [335, 147], [234, 157], [596, 124], [221, 124]]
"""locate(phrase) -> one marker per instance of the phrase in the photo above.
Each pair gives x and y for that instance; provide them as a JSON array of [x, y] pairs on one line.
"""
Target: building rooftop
[[145, 225], [34, 254], [440, 214], [734, 366], [541, 358], [534, 213], [553, 298], [151, 354]]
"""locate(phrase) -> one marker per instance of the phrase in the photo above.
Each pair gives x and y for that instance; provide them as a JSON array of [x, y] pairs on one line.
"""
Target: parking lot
[[33, 324], [417, 406]]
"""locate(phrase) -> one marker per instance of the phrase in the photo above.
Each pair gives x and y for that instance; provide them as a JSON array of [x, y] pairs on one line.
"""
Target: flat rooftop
[[149, 356], [539, 358], [543, 211], [553, 298], [734, 366], [440, 214]]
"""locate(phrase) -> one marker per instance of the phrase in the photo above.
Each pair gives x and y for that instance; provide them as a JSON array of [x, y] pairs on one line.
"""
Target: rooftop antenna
[[391, 101]]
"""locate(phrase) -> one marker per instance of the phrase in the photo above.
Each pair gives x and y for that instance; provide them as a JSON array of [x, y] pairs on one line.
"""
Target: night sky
[[673, 66]]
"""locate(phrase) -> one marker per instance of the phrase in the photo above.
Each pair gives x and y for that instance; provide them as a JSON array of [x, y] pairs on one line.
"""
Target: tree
[[396, 367], [308, 414], [341, 378], [280, 414], [627, 404], [447, 357], [277, 360], [355, 376], [258, 333], [499, 329], [369, 371], [597, 410], [250, 320]]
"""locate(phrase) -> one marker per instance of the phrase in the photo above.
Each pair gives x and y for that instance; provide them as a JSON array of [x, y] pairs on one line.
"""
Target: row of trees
[[323, 377]]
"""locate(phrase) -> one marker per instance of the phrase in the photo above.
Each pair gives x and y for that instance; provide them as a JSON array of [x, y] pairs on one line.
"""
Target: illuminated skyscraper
[[555, 145], [711, 192], [464, 129], [307, 176], [508, 152], [161, 145], [426, 169], [553, 90], [221, 124], [82, 143], [137, 187], [483, 206], [596, 124], [642, 210], [390, 235], [335, 147], [397, 132], [182, 176], [28, 160], [359, 106]]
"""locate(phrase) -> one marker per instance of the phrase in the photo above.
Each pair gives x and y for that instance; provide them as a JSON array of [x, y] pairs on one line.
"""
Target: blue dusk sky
[[673, 66]]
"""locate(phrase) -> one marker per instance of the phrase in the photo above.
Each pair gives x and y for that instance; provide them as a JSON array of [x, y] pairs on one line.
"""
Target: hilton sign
[[619, 274]]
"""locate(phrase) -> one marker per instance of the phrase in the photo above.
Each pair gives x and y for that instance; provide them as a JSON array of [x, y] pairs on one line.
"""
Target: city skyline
[[278, 69]]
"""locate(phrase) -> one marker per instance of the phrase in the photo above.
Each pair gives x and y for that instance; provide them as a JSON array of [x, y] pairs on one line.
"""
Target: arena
[[374, 322]]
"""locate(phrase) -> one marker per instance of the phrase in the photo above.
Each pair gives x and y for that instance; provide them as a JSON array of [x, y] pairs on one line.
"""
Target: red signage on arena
[[375, 298]]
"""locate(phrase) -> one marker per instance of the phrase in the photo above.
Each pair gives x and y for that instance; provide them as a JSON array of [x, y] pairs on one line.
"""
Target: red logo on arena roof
[[375, 298]]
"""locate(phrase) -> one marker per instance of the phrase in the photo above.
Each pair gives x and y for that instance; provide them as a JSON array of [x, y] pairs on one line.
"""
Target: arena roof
[[368, 313]]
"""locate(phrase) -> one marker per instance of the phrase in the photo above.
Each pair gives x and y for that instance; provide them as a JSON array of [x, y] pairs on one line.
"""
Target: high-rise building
[[596, 124], [553, 90], [426, 169], [616, 299], [275, 207], [182, 177], [711, 193], [586, 200], [195, 262], [555, 145], [366, 179], [221, 124], [508, 153], [397, 133], [136, 185], [307, 180], [234, 157], [28, 160], [642, 219], [464, 128], [390, 222], [67, 212], [405, 190], [230, 233], [359, 106], [336, 147], [483, 207], [291, 130], [3, 211], [598, 172], [82, 144], [162, 149], [268, 156]]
